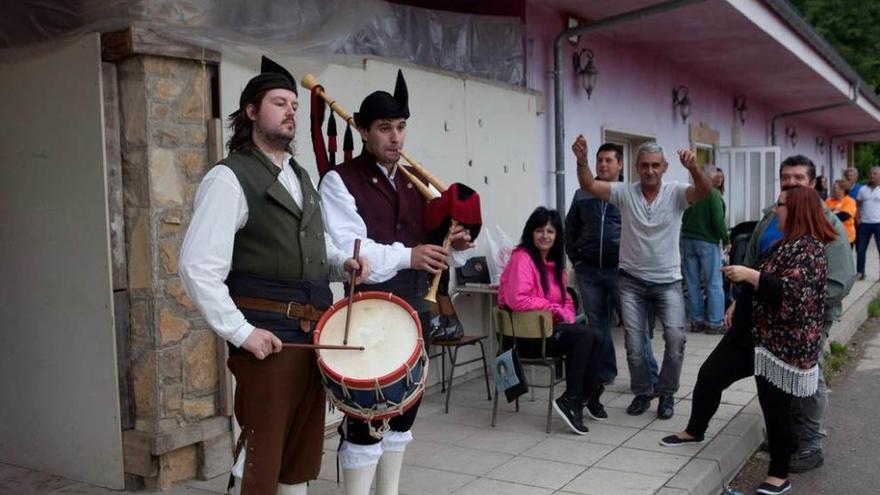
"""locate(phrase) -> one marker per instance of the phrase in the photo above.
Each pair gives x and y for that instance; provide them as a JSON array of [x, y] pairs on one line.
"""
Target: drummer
[[256, 262], [366, 198]]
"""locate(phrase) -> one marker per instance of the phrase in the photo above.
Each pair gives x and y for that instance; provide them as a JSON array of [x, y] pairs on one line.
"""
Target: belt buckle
[[289, 309]]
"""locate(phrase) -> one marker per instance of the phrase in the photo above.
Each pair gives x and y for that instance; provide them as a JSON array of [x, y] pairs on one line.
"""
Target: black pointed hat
[[272, 76], [381, 105]]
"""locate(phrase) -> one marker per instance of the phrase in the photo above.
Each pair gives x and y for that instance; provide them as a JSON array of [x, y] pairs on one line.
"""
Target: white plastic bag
[[499, 246]]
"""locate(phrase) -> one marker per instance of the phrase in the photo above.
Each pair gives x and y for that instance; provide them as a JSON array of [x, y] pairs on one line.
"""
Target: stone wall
[[165, 112]]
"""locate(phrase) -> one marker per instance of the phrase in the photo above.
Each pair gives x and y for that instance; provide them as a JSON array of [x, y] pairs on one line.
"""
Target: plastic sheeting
[[484, 46]]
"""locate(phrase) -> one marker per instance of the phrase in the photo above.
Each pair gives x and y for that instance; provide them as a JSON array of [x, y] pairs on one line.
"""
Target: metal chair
[[450, 348], [529, 325]]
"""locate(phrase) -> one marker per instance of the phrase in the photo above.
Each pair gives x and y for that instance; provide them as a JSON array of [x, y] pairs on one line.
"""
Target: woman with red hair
[[774, 333]]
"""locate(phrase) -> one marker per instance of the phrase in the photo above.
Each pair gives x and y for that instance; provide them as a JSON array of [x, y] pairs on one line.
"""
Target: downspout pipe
[[851, 101], [559, 90]]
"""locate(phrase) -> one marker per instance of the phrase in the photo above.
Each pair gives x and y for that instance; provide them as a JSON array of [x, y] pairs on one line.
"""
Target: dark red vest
[[390, 215]]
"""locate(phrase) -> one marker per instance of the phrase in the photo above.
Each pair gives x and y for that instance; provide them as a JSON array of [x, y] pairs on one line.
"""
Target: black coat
[[592, 231]]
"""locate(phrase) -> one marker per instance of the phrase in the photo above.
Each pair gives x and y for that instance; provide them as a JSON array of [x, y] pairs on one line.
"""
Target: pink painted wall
[[633, 94]]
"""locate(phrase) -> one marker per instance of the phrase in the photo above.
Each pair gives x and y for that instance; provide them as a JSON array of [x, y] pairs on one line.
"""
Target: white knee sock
[[359, 466], [388, 475]]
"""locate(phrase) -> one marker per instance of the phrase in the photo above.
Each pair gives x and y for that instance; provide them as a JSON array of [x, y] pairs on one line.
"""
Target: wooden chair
[[530, 325]]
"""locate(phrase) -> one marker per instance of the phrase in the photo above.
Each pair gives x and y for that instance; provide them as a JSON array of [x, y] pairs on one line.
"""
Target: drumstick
[[324, 346], [357, 251]]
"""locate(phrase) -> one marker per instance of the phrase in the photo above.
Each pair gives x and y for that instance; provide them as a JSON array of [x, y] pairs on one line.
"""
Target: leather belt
[[305, 313]]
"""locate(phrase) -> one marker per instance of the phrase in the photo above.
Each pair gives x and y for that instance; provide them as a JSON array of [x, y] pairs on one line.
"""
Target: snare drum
[[388, 376]]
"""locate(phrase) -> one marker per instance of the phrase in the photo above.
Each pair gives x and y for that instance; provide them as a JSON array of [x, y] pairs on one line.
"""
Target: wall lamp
[[739, 106], [587, 70], [820, 145], [681, 100], [791, 132], [841, 149]]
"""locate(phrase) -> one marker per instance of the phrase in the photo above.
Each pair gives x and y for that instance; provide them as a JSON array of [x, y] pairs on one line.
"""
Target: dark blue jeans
[[600, 296], [863, 237]]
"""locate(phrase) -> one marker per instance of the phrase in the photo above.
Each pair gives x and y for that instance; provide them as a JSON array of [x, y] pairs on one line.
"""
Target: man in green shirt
[[702, 229]]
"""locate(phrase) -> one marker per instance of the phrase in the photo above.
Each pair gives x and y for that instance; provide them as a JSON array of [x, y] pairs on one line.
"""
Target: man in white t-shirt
[[867, 218], [650, 262]]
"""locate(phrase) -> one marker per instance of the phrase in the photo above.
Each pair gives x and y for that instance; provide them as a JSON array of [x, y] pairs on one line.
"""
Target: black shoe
[[596, 410], [716, 329], [676, 441], [768, 489], [697, 327], [806, 460], [571, 412], [764, 447], [861, 276], [639, 404], [666, 408]]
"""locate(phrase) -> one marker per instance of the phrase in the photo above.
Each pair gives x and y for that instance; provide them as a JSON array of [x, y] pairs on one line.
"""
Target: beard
[[277, 137]]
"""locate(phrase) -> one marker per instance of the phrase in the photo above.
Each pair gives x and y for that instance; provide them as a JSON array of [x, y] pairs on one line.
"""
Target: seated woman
[[533, 280], [775, 332]]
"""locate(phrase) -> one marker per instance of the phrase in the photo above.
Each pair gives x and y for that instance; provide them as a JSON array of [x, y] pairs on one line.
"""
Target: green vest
[[279, 241]]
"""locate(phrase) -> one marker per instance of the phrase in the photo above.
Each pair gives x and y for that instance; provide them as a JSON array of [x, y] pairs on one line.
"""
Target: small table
[[489, 299]]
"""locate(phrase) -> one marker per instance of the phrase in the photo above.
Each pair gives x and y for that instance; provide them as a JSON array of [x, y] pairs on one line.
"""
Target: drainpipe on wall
[[851, 101], [558, 90]]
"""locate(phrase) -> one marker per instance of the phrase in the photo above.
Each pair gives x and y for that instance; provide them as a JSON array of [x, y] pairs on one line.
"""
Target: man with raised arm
[[650, 263]]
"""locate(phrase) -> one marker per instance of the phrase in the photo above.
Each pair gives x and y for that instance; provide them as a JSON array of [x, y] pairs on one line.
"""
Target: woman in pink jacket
[[534, 279]]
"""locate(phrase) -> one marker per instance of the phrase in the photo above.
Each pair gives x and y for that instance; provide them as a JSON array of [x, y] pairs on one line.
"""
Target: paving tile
[[418, 480], [644, 462], [484, 486], [618, 416], [598, 481], [699, 477], [506, 442], [536, 472], [621, 401], [604, 433], [324, 487], [466, 416], [446, 433], [418, 451], [461, 460], [560, 450]]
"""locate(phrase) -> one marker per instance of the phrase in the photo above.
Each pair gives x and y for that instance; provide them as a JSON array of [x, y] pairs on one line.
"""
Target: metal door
[[751, 180], [58, 376]]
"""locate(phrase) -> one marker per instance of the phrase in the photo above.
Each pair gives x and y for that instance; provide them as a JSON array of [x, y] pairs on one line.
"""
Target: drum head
[[387, 331]]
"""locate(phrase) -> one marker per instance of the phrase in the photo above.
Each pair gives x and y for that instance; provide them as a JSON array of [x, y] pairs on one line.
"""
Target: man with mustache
[[256, 262], [650, 264]]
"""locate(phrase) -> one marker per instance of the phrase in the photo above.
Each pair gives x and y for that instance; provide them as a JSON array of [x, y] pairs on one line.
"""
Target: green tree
[[852, 27]]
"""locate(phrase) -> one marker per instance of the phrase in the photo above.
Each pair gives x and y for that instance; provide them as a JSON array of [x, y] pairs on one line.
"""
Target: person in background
[[851, 175], [867, 219], [822, 187], [842, 205], [534, 280], [703, 230]]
